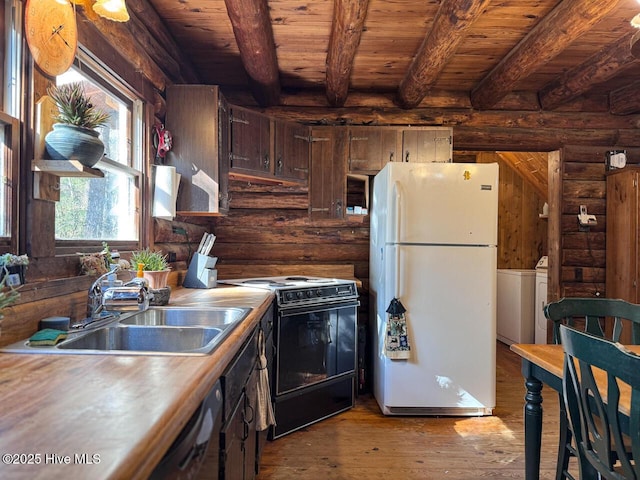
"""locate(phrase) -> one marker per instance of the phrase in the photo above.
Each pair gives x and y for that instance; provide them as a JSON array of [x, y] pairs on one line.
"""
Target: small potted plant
[[74, 136], [12, 268], [155, 267]]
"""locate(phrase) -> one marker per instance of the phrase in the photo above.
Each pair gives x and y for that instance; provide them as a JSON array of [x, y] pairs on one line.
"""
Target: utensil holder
[[201, 273]]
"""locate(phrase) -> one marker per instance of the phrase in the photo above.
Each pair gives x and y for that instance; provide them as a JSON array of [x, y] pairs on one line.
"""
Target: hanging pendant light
[[115, 10]]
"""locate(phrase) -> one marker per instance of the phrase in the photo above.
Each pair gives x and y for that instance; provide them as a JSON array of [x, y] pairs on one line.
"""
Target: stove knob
[[319, 293], [289, 296], [309, 293], [300, 294]]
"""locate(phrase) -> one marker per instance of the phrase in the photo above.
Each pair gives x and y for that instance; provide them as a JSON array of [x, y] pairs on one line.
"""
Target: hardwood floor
[[364, 444]]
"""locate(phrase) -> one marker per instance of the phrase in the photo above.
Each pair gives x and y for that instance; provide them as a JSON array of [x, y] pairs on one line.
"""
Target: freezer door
[[440, 203], [450, 297]]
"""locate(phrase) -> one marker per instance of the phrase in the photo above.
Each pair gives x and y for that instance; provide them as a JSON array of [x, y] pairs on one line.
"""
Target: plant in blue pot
[[74, 136]]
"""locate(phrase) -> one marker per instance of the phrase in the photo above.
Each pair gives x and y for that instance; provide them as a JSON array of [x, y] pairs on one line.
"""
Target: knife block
[[201, 273]]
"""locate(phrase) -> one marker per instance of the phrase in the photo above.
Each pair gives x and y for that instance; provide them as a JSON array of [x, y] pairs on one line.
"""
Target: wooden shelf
[[65, 168]]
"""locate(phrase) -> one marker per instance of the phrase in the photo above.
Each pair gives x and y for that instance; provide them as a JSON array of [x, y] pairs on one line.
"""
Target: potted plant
[[12, 268], [74, 136], [155, 267]]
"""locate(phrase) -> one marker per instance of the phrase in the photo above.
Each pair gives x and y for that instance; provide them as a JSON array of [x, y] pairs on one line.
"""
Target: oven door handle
[[325, 307]]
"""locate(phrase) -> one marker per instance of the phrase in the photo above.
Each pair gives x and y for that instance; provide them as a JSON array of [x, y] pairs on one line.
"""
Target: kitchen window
[[9, 157], [107, 209]]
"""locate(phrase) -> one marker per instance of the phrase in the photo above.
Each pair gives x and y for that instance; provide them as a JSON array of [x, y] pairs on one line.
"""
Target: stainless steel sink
[[156, 331], [187, 317], [147, 339]]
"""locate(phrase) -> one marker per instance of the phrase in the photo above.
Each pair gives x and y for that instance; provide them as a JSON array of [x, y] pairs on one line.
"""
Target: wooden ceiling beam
[[346, 30], [566, 22], [254, 36], [449, 26], [602, 66]]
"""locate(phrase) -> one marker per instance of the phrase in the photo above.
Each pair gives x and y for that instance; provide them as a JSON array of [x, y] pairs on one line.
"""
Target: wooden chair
[[594, 408], [602, 317]]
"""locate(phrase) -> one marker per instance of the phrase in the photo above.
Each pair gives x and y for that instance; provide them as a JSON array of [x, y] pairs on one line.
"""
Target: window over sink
[[93, 210]]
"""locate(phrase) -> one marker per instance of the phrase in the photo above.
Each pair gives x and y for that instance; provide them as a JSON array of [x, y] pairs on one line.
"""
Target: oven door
[[315, 343]]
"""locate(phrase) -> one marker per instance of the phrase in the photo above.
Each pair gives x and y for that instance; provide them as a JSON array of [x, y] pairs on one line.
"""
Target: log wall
[[582, 255]]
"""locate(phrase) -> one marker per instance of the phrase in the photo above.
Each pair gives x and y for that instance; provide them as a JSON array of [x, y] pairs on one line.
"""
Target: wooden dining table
[[544, 364]]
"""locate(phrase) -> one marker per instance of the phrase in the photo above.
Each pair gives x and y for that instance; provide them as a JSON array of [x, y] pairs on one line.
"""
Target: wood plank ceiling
[[479, 54]]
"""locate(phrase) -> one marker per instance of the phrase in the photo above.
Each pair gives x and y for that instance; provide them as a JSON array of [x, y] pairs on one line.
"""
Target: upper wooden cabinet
[[429, 144], [194, 122], [291, 151], [250, 147], [370, 148], [328, 178]]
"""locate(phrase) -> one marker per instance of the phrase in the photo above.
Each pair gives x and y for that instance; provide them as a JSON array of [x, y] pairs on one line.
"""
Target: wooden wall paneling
[[522, 235]]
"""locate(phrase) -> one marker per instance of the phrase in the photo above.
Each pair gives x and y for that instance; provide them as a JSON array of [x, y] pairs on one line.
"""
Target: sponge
[[47, 337]]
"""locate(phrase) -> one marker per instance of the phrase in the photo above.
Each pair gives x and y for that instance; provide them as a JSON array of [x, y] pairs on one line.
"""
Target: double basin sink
[[155, 331]]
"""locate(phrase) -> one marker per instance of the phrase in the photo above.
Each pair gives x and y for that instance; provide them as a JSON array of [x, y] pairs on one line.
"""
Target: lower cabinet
[[239, 439]]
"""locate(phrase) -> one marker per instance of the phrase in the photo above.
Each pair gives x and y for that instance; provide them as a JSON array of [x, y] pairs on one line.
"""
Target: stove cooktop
[[297, 289], [284, 282]]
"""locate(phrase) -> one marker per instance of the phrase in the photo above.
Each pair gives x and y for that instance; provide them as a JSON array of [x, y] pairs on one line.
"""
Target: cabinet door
[[327, 187], [371, 148], [249, 145], [427, 145], [224, 150], [292, 151], [232, 443], [192, 119], [251, 434], [622, 238]]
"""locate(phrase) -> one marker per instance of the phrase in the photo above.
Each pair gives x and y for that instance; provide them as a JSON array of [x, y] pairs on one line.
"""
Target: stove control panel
[[316, 294]]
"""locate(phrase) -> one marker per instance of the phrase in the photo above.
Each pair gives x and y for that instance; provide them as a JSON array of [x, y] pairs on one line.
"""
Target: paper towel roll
[[165, 192]]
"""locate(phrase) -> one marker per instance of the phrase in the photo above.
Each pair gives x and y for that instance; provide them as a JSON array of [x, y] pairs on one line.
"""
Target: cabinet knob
[[406, 156]]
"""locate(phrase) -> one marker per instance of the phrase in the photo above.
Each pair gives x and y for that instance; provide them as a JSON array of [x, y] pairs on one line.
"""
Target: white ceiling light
[[115, 10]]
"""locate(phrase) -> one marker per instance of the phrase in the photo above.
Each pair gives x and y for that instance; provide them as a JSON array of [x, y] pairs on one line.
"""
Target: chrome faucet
[[94, 303]]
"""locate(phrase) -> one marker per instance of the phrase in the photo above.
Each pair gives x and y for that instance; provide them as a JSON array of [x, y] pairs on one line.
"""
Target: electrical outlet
[[577, 272]]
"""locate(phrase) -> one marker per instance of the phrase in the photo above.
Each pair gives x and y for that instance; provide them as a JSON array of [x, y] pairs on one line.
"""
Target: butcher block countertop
[[109, 416]]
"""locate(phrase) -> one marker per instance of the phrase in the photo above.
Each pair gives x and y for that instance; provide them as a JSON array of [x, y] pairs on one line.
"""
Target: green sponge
[[47, 337]]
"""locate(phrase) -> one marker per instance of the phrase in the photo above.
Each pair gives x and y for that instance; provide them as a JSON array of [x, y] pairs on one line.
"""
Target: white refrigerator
[[433, 246]]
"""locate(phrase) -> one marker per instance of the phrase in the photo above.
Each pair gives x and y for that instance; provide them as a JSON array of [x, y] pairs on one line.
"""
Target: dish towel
[[264, 415], [396, 343]]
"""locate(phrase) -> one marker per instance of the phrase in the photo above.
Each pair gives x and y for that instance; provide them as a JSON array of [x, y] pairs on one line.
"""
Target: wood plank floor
[[364, 444]]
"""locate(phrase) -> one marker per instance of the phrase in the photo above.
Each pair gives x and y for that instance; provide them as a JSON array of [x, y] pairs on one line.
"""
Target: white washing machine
[[515, 300], [542, 276]]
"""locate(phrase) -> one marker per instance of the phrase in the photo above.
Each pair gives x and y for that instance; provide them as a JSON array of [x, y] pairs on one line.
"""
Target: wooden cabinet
[[328, 176], [193, 120], [291, 151], [238, 434], [370, 148], [623, 234], [240, 442], [431, 144], [249, 143]]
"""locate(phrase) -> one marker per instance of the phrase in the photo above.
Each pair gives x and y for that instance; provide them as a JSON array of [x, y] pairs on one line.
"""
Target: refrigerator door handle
[[397, 209]]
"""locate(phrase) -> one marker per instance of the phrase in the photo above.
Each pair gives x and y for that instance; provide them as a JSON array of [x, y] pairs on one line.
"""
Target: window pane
[[97, 208], [116, 134], [4, 200]]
